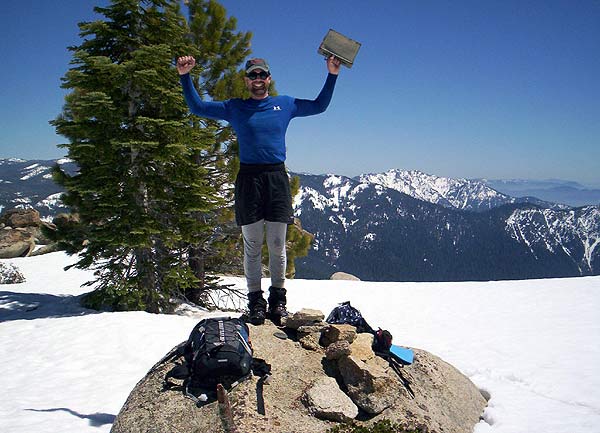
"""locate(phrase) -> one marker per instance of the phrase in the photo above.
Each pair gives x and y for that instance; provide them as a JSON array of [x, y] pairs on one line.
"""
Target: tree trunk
[[144, 265], [196, 262]]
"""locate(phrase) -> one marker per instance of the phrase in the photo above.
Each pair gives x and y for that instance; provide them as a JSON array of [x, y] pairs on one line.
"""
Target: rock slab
[[445, 400], [326, 400]]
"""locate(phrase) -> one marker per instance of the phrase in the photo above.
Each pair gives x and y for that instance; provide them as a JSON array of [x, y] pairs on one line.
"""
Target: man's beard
[[260, 90]]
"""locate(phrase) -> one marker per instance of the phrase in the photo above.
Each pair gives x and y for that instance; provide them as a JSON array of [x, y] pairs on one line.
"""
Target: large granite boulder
[[15, 242], [372, 386], [296, 394], [344, 276], [20, 218], [20, 232], [326, 400]]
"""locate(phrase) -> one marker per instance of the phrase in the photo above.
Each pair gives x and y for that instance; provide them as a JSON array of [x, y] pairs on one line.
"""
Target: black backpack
[[218, 351]]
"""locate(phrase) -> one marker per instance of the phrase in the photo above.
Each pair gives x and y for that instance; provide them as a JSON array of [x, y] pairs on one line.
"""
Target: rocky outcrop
[[15, 242], [20, 231], [21, 218], [310, 391], [372, 386], [344, 276], [304, 317], [325, 400]]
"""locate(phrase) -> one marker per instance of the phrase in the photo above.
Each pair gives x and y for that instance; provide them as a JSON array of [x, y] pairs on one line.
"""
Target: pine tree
[[153, 195], [146, 166], [219, 51], [298, 239]]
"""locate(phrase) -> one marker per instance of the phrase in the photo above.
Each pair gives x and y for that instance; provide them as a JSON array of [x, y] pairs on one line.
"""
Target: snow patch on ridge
[[34, 170], [456, 193], [559, 230]]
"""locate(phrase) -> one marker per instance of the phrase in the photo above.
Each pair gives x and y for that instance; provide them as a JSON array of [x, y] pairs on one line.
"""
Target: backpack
[[218, 351], [382, 340]]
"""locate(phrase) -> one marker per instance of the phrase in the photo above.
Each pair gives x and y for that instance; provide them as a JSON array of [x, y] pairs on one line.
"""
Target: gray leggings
[[253, 240]]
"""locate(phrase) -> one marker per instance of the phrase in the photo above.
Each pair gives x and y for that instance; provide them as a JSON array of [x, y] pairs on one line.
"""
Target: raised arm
[[212, 110], [306, 107]]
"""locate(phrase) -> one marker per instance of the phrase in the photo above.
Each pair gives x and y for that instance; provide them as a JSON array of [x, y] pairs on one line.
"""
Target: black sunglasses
[[254, 75]]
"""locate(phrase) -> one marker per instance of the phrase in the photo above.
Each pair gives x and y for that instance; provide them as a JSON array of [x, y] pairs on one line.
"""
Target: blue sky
[[496, 89]]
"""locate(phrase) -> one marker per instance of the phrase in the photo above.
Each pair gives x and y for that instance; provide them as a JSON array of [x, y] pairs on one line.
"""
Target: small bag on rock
[[382, 340], [347, 314]]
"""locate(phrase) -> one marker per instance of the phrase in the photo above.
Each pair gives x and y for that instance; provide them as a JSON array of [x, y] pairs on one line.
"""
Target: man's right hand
[[185, 64]]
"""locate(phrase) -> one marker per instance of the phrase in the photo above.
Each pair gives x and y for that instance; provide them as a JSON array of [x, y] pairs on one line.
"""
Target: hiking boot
[[277, 301], [257, 307]]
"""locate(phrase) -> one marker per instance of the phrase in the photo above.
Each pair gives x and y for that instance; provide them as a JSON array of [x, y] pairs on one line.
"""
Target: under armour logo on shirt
[[277, 108]]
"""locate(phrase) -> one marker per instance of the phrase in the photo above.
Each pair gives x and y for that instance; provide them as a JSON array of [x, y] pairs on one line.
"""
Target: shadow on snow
[[29, 306], [95, 419]]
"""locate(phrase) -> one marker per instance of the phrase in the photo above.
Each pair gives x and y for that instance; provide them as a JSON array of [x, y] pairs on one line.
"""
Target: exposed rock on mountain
[[445, 400], [20, 230]]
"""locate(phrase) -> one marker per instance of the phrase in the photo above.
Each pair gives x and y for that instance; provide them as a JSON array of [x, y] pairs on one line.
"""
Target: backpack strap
[[396, 364], [262, 369], [396, 367], [209, 395], [260, 398], [200, 400]]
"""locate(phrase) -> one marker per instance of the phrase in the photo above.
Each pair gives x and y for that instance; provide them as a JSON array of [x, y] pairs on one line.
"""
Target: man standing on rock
[[262, 191]]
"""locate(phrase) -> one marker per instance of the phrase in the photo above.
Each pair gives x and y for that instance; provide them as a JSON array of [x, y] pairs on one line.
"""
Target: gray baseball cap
[[253, 64]]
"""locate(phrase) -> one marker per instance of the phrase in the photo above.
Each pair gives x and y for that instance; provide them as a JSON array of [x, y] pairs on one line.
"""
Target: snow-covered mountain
[[399, 226], [368, 227], [28, 183], [572, 234], [465, 194]]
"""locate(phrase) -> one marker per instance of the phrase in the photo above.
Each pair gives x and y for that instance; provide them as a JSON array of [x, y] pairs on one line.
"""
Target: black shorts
[[262, 191]]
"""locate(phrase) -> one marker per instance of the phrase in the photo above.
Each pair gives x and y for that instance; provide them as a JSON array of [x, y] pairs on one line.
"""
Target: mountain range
[[400, 225], [411, 226], [553, 190]]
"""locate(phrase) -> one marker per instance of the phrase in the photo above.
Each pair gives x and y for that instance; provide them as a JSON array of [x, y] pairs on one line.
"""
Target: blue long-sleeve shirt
[[260, 125]]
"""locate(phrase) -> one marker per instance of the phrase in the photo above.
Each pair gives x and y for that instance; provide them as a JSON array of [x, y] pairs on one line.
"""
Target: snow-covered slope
[[410, 226], [534, 345], [574, 234]]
